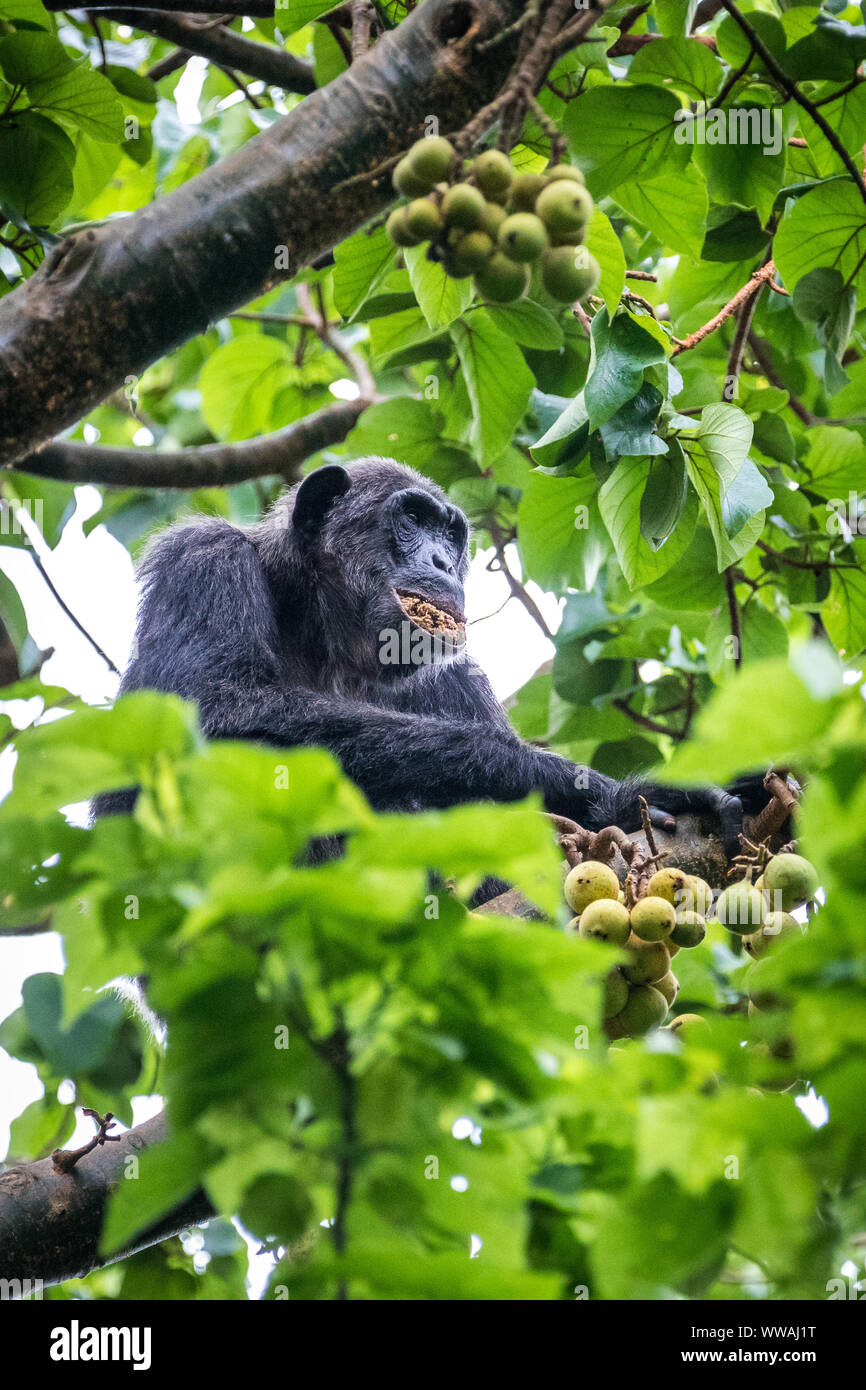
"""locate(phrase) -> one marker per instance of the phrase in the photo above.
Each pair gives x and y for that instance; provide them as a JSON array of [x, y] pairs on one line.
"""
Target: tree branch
[[734, 614], [113, 298], [76, 622], [51, 1221], [759, 278], [221, 46], [209, 465], [232, 9]]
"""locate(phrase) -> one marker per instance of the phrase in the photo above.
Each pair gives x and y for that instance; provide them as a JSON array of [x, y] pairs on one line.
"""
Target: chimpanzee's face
[[427, 540]]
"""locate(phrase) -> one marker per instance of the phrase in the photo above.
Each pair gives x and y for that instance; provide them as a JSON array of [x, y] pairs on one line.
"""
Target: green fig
[[524, 191], [472, 252], [430, 159], [522, 237], [492, 219], [648, 961], [564, 206], [790, 881], [494, 173], [653, 919], [644, 1009], [740, 908], [666, 883], [615, 992], [668, 987], [407, 182], [605, 920], [424, 219], [463, 206], [689, 931], [398, 230], [588, 881], [502, 280], [776, 927], [564, 171], [568, 273]]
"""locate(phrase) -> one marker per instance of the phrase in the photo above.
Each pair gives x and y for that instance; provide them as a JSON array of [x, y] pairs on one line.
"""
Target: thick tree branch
[[210, 465], [113, 298], [50, 1221], [193, 34]]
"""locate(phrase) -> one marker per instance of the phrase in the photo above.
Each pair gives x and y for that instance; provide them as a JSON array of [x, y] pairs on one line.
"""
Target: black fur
[[275, 631]]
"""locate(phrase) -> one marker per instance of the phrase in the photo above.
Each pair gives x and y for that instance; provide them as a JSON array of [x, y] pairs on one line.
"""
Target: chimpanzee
[[338, 620]]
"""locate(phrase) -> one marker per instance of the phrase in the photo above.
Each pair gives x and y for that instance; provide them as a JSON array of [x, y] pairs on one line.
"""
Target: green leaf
[[826, 227], [563, 541], [361, 263], [603, 242], [836, 461], [622, 349], [239, 383], [527, 323], [440, 298], [715, 459], [844, 611], [36, 159], [294, 14], [498, 381], [616, 133], [766, 715], [56, 83], [748, 171], [680, 63], [672, 205], [401, 428], [620, 503], [633, 429]]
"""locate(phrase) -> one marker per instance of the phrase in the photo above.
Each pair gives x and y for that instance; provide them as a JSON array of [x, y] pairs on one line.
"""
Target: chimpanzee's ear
[[316, 495]]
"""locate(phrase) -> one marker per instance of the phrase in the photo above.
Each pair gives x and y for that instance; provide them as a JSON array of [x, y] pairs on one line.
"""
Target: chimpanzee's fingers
[[663, 819], [730, 809]]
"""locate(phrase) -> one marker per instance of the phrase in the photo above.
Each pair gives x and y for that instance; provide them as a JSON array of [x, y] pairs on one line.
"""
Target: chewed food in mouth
[[428, 615]]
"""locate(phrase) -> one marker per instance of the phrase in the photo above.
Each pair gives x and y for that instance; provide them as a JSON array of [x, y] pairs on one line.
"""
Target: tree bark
[[209, 465], [111, 299], [220, 45], [50, 1222]]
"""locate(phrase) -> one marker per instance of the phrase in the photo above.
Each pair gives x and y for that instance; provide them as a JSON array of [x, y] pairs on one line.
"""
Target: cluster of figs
[[484, 219], [670, 915]]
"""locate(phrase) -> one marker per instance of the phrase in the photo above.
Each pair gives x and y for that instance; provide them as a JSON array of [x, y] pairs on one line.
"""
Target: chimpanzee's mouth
[[433, 617]]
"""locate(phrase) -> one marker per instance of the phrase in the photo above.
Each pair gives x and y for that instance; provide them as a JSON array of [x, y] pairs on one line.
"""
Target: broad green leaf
[[673, 205], [36, 159], [680, 63], [741, 728], [440, 298], [498, 381], [401, 428], [747, 167], [836, 461], [620, 503], [294, 14], [825, 228], [563, 541], [527, 323], [733, 495], [361, 263], [605, 245], [239, 383], [844, 612], [618, 132], [622, 349]]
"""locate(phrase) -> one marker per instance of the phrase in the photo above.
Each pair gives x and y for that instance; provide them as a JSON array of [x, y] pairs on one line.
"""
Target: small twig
[[94, 24], [514, 584], [766, 272], [642, 275], [76, 622], [321, 326], [363, 16], [241, 85], [644, 720], [734, 613], [64, 1160]]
